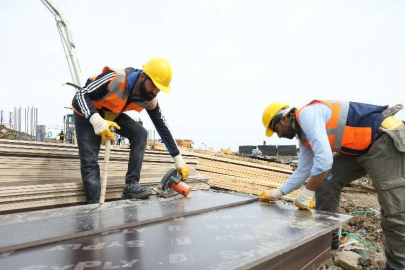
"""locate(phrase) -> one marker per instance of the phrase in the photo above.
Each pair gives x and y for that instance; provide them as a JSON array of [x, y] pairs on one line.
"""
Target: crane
[[67, 41]]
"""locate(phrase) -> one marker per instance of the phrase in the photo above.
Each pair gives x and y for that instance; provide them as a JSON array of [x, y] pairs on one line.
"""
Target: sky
[[230, 58]]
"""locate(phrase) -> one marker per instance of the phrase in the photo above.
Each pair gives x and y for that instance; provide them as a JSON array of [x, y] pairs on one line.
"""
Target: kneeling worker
[[118, 91], [366, 139]]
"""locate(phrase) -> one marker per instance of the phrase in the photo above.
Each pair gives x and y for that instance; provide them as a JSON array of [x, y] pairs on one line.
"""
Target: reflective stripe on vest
[[337, 123], [140, 105], [353, 126], [116, 98], [335, 127]]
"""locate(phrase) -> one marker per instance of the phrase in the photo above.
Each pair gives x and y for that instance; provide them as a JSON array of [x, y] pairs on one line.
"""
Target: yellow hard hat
[[269, 113], [160, 71]]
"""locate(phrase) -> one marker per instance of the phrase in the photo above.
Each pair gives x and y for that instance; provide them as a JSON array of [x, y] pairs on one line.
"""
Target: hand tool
[[110, 116], [171, 185]]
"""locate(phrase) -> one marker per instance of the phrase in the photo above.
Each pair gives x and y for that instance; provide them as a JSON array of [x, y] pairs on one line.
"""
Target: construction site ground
[[365, 226]]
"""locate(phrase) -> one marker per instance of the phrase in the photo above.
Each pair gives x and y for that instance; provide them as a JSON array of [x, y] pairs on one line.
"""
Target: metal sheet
[[309, 256], [241, 237], [31, 229]]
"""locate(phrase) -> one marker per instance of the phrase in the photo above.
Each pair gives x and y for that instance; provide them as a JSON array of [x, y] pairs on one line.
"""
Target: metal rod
[[30, 121], [36, 121], [19, 119]]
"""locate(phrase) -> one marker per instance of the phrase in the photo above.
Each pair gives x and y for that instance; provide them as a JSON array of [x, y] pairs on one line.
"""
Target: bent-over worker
[[118, 91], [367, 139]]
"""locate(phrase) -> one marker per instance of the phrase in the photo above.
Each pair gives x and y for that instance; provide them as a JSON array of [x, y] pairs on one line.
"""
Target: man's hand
[[270, 195], [181, 166], [304, 199], [102, 127]]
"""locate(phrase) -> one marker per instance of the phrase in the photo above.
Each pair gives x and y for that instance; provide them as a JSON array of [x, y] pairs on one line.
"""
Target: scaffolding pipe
[[19, 119], [36, 120]]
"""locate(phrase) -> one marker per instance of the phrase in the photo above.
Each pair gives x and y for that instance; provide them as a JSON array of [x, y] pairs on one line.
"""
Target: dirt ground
[[365, 226], [6, 133]]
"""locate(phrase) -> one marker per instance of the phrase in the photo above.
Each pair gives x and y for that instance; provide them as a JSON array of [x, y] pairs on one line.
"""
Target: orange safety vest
[[117, 97], [352, 127]]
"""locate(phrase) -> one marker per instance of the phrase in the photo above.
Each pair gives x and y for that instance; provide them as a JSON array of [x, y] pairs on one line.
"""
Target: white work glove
[[305, 199], [181, 166], [270, 195], [102, 127]]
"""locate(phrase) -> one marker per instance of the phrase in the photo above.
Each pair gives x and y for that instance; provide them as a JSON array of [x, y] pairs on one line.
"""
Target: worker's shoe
[[135, 191]]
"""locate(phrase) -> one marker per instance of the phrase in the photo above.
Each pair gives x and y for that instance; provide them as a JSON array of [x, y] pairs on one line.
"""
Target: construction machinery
[[69, 128], [184, 143], [67, 41]]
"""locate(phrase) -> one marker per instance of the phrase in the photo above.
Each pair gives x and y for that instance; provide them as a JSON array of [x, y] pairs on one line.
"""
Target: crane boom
[[67, 41]]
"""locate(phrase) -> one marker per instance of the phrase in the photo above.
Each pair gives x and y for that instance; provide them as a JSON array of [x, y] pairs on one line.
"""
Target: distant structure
[[287, 150], [69, 128], [246, 149], [270, 150], [41, 133]]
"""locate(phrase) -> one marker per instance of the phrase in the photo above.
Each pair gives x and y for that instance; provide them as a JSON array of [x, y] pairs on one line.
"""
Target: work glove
[[181, 166], [270, 195], [102, 127], [304, 199]]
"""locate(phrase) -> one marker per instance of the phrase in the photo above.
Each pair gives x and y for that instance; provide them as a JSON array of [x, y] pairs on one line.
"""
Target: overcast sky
[[230, 58]]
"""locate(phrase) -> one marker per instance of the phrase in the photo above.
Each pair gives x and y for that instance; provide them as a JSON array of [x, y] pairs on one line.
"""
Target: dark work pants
[[89, 147], [386, 167]]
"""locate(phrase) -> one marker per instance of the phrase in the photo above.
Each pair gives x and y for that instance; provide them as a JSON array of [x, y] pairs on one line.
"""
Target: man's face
[[148, 89], [283, 129]]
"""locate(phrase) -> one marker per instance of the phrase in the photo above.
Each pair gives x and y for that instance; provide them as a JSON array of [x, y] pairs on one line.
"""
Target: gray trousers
[[89, 147], [386, 167]]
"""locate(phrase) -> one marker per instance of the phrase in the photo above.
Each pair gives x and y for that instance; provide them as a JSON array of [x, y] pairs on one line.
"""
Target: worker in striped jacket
[[366, 139], [113, 92]]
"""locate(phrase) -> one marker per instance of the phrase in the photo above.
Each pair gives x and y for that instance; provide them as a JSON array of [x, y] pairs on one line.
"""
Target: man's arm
[[164, 132], [305, 163], [94, 89], [313, 121], [316, 180], [83, 104]]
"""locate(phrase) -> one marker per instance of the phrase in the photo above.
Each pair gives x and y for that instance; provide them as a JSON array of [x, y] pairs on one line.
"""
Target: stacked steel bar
[[34, 174]]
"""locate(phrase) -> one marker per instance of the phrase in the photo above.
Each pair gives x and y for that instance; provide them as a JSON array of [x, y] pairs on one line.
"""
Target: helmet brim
[[269, 132], [161, 87], [165, 89]]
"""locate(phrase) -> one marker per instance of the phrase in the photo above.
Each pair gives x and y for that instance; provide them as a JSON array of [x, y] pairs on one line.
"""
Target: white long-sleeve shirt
[[318, 158]]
